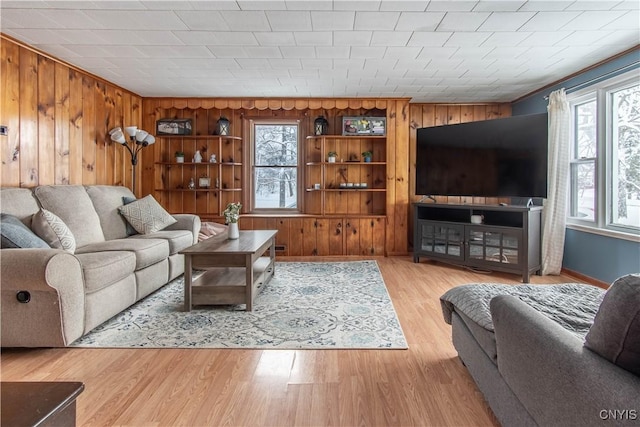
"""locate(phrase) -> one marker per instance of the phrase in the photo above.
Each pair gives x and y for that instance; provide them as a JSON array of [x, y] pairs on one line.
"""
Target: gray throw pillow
[[146, 215], [615, 333], [17, 235], [125, 201]]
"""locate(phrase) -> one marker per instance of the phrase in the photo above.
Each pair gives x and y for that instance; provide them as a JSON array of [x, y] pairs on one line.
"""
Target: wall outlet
[[4, 131]]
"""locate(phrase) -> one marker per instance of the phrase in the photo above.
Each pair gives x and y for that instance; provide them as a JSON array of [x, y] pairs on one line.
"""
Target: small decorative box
[[364, 126], [173, 127]]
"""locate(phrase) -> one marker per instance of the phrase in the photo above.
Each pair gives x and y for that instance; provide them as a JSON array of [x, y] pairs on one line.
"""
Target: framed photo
[[173, 127], [364, 126], [204, 182]]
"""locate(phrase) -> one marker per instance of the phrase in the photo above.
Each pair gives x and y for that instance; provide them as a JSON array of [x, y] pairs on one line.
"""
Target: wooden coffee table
[[235, 268]]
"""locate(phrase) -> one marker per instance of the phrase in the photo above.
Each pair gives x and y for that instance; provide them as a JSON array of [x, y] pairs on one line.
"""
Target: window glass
[[625, 156], [275, 166]]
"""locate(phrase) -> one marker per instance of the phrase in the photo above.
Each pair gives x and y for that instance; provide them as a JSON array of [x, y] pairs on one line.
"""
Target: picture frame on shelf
[[364, 126], [204, 182], [174, 127]]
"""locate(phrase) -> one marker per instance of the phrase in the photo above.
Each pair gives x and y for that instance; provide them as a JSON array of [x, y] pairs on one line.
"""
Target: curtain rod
[[599, 78]]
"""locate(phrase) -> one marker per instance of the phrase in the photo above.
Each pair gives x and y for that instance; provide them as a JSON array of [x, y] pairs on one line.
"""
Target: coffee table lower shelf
[[227, 285]]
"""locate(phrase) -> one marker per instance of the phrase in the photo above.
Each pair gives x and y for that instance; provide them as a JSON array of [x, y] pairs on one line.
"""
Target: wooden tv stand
[[507, 240]]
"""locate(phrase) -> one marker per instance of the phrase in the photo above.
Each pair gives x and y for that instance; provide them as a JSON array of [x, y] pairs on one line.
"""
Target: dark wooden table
[[235, 268], [39, 403]]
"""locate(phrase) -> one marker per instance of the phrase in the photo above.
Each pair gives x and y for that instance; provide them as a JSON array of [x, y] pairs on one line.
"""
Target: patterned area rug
[[307, 305]]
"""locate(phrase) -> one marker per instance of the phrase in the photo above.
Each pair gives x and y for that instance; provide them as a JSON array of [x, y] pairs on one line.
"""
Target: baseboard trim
[[584, 278]]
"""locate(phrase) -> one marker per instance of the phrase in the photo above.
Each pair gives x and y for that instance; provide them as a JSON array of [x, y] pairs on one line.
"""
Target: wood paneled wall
[[58, 119]]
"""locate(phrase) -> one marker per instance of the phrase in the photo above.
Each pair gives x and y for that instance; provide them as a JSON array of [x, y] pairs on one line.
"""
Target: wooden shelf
[[345, 163], [237, 138], [188, 190], [381, 137], [198, 164], [348, 189]]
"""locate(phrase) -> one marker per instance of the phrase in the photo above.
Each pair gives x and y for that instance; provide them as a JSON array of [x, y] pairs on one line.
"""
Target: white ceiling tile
[[304, 73], [246, 74], [593, 5], [466, 53], [350, 64], [35, 36], [465, 39], [544, 38], [358, 52], [376, 20], [380, 64], [119, 5], [619, 38], [549, 21], [30, 18], [309, 5], [313, 38], [429, 39], [263, 52], [289, 20], [416, 21], [506, 38], [372, 5], [175, 51], [629, 21], [59, 51], [585, 38], [463, 21], [498, 6], [167, 5], [548, 6], [314, 64], [403, 6], [298, 52], [332, 51], [507, 52], [228, 51], [262, 4], [411, 64], [451, 6], [243, 38], [437, 52], [390, 38], [592, 20], [154, 37], [408, 53], [196, 37], [278, 38], [203, 20], [505, 21], [148, 19], [352, 38], [214, 5], [329, 21], [246, 21], [627, 5], [285, 64]]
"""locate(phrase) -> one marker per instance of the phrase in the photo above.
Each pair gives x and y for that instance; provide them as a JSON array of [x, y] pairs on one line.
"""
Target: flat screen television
[[491, 158]]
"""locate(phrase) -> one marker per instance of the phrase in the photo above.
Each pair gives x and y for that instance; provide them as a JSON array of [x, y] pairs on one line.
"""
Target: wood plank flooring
[[423, 386]]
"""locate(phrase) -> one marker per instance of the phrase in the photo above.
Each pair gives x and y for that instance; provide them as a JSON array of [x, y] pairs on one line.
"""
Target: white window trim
[[601, 224], [250, 198]]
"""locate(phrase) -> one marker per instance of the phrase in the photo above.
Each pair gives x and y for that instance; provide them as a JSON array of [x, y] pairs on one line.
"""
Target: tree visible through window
[[275, 166]]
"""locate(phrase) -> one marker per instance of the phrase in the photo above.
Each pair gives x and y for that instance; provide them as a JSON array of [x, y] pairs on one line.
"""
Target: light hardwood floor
[[425, 385]]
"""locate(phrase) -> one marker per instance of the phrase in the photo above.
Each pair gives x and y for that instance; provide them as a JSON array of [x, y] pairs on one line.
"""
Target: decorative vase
[[223, 126], [320, 125], [197, 158], [234, 232]]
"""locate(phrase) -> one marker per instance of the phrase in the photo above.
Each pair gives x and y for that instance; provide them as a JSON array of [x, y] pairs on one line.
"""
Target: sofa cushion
[[106, 200], [147, 251], [146, 215], [53, 230], [17, 235], [102, 269], [615, 333], [73, 205], [20, 203], [177, 239], [130, 230]]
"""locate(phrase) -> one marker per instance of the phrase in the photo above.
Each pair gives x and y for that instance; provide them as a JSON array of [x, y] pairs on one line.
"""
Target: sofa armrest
[[556, 378], [54, 315], [187, 222]]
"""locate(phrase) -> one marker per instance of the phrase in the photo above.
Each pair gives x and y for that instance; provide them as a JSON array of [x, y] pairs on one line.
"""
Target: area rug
[[307, 305]]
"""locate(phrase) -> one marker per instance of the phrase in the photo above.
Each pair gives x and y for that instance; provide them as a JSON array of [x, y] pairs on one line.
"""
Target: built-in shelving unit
[[349, 185]]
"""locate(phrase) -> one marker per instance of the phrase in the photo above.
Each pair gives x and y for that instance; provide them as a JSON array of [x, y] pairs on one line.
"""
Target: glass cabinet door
[[442, 239], [488, 245]]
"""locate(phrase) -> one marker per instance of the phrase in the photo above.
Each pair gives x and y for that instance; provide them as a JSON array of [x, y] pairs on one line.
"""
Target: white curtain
[[555, 212]]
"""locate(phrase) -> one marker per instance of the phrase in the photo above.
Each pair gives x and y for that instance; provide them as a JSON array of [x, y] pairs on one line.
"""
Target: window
[[275, 159], [605, 160]]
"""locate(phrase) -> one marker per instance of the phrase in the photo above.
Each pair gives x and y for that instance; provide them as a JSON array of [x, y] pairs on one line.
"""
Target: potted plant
[[367, 155], [331, 155], [179, 156], [231, 217]]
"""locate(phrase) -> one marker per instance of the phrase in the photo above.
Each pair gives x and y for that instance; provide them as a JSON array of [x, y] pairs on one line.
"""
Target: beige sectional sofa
[[71, 293]]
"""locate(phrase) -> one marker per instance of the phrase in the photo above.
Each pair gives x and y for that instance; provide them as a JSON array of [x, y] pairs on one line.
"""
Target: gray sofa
[[539, 355], [72, 292]]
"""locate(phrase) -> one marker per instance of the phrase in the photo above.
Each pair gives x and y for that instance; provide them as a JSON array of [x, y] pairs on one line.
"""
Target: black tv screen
[[492, 158]]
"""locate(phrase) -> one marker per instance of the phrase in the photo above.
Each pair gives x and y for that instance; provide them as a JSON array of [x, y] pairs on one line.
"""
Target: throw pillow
[[125, 201], [53, 230], [615, 333], [146, 215], [17, 235]]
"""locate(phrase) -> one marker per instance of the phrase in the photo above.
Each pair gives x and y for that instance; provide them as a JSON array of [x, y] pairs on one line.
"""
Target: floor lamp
[[139, 139]]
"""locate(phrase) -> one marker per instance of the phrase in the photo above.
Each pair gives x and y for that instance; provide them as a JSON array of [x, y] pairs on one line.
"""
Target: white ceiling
[[430, 51]]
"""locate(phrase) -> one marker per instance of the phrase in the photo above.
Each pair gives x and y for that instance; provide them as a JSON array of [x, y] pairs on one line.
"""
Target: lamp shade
[[117, 136], [131, 130], [149, 140], [141, 135]]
